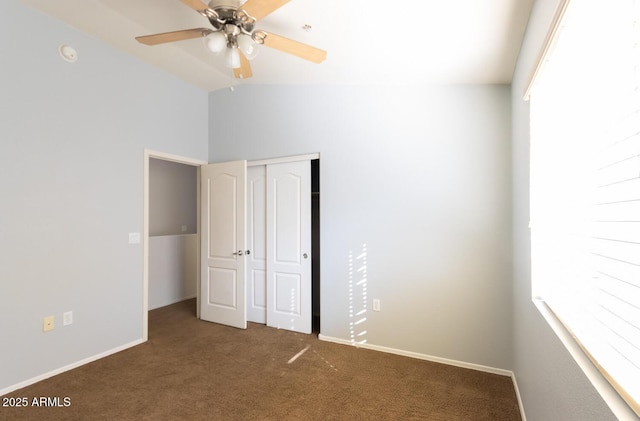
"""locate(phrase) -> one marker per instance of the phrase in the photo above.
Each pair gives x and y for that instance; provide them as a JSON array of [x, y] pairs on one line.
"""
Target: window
[[585, 184]]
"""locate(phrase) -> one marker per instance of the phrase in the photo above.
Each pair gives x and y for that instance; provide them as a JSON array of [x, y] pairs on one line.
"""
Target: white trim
[[284, 159], [520, 403], [198, 242], [69, 367], [548, 45], [611, 397], [148, 154], [170, 235], [420, 356], [176, 301], [174, 158]]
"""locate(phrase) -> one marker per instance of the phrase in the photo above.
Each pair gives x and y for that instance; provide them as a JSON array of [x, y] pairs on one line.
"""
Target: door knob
[[238, 253], [305, 255]]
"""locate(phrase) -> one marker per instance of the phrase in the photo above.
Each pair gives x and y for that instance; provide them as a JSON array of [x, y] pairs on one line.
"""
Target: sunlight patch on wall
[[358, 296]]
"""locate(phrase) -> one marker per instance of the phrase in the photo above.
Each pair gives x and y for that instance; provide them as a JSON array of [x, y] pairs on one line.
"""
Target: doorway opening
[[283, 289], [173, 232], [165, 160]]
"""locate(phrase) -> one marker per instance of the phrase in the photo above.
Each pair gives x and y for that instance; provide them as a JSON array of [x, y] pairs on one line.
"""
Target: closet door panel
[[257, 243], [223, 213], [288, 228]]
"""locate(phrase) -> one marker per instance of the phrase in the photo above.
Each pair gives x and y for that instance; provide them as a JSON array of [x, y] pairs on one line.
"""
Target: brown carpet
[[194, 370]]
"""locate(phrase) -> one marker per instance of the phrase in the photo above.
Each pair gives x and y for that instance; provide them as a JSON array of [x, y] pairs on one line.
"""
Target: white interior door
[[257, 243], [289, 246], [223, 213]]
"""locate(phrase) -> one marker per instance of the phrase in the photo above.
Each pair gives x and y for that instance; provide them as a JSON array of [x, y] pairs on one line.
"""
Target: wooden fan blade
[[261, 8], [244, 71], [196, 5], [296, 48], [173, 36]]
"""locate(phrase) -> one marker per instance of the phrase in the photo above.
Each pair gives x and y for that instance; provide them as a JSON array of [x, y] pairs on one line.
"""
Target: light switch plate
[[67, 318], [134, 238]]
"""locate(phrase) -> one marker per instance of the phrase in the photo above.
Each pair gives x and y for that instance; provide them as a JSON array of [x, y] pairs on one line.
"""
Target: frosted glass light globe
[[215, 42], [232, 58], [248, 46]]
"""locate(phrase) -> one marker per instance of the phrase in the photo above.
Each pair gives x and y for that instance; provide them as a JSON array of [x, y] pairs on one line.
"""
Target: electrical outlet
[[67, 318], [376, 304], [47, 323], [183, 228]]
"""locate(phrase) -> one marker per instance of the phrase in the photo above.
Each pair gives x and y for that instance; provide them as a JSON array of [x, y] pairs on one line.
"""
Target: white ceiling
[[368, 41]]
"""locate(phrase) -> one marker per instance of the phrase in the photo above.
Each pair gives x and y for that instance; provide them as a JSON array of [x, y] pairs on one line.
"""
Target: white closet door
[[257, 243], [223, 213], [289, 246]]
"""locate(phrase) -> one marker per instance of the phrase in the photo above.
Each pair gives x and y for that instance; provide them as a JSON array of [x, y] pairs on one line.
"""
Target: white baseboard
[[69, 367], [520, 404], [174, 301], [419, 356]]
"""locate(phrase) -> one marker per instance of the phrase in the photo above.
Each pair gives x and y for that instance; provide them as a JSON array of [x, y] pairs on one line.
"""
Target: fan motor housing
[[227, 11], [225, 5]]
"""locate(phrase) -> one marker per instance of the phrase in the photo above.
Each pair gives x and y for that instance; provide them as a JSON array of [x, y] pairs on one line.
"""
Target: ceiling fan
[[233, 33]]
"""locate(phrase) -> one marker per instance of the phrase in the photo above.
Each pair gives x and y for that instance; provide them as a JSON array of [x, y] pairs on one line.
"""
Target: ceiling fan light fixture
[[233, 32], [248, 46], [215, 42], [232, 58]]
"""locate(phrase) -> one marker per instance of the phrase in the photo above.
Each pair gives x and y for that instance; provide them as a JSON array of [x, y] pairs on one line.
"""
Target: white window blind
[[585, 185]]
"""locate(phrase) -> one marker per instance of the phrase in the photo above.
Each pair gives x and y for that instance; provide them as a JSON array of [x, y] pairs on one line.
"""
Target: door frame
[[292, 158], [286, 159], [148, 154]]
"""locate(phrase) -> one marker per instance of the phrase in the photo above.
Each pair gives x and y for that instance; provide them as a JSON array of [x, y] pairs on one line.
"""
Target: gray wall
[[422, 177], [551, 384], [173, 270], [72, 138], [172, 198]]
